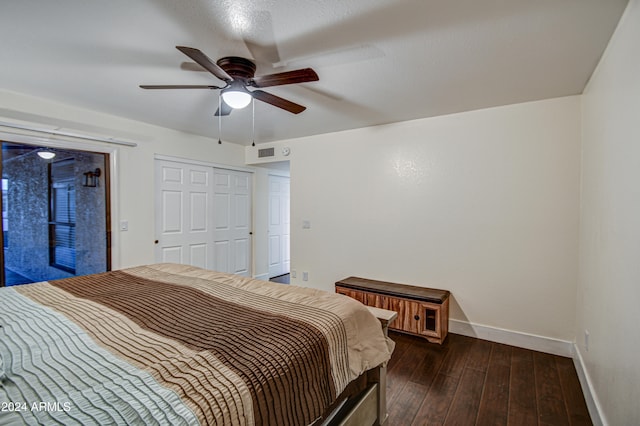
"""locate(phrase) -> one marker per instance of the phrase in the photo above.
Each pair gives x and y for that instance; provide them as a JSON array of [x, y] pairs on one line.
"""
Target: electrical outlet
[[586, 340], [293, 273], [305, 276]]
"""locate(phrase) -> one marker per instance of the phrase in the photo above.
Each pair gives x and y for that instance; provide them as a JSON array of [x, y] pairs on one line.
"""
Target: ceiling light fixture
[[47, 155], [236, 96]]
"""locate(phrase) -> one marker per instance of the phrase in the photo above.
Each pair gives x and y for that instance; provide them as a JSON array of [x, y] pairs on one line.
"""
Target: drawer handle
[[416, 317]]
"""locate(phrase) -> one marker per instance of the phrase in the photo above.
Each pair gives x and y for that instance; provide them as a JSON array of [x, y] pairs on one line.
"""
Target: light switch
[[124, 225]]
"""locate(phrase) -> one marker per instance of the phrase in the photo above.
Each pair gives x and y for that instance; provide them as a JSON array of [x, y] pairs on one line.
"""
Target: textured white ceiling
[[379, 61]]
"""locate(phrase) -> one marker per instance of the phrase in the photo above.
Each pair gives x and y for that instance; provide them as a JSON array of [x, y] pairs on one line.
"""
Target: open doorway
[[55, 213], [279, 228]]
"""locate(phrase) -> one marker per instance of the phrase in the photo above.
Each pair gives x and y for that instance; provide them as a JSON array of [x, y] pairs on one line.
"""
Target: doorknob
[[156, 242]]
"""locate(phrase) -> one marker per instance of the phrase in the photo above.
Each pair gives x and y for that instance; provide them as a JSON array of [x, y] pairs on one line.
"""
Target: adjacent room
[[54, 213], [478, 158]]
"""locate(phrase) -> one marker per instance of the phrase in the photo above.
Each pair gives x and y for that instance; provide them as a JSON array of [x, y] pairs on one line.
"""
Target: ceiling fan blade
[[191, 66], [261, 41], [288, 77], [223, 110], [178, 86], [205, 62], [274, 100]]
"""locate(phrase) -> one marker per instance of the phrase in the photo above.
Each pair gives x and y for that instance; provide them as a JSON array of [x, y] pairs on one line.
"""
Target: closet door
[[203, 217], [232, 221], [184, 231]]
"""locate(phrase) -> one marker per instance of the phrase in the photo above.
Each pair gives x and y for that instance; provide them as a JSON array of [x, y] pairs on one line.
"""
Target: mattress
[[175, 344]]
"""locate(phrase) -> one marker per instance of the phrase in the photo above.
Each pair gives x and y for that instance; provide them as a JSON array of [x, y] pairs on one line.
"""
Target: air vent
[[266, 152]]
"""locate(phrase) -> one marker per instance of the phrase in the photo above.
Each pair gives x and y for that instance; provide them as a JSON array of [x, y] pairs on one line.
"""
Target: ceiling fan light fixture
[[46, 154], [236, 97]]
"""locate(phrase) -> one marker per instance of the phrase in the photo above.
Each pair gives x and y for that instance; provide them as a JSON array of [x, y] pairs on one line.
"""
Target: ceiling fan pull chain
[[253, 122], [219, 119]]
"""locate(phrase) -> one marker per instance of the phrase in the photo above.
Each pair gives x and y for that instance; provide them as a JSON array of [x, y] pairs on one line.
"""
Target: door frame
[[203, 163], [113, 205]]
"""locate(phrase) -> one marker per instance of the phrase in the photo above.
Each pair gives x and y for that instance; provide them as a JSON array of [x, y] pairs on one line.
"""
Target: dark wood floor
[[282, 279], [468, 381]]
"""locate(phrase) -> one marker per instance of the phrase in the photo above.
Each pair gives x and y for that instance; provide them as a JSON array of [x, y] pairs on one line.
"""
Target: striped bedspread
[[177, 345]]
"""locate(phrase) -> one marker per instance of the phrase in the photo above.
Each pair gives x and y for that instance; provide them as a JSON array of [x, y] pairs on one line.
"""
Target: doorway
[[55, 213], [279, 228]]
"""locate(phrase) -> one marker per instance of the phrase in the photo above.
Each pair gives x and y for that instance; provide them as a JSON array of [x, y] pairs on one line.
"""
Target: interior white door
[[232, 221], [184, 202], [279, 226]]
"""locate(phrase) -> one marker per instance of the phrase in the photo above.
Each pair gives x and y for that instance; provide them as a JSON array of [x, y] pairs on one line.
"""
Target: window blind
[[62, 224]]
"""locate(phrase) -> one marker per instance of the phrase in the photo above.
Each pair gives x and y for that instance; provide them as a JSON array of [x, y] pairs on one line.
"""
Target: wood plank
[[551, 408], [464, 408], [377, 300], [459, 349], [501, 354], [404, 368], [494, 406], [522, 393], [478, 358], [572, 392], [436, 404], [406, 310], [404, 410], [425, 372]]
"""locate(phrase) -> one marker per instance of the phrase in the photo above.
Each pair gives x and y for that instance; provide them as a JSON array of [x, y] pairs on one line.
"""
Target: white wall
[[484, 204], [134, 197], [609, 285]]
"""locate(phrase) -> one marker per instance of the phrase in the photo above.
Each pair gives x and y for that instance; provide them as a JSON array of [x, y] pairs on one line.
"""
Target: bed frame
[[369, 406]]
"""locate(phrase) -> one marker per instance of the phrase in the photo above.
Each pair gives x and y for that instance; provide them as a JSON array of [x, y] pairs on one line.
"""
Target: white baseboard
[[590, 396], [263, 277], [513, 338]]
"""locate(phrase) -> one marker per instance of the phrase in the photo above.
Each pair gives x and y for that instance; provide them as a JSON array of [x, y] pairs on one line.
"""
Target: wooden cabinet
[[421, 311]]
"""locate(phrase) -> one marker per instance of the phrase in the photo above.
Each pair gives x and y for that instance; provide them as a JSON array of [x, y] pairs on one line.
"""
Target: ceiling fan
[[238, 74]]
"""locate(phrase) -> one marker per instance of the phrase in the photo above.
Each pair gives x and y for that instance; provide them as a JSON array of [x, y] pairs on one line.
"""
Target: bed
[[179, 345]]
